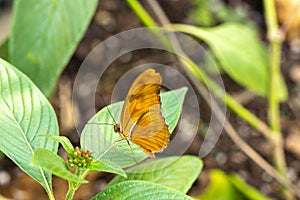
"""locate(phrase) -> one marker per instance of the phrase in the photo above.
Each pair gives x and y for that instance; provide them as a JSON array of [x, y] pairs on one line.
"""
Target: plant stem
[[142, 13], [273, 112], [147, 20], [50, 195], [71, 191], [73, 186], [274, 62], [48, 188]]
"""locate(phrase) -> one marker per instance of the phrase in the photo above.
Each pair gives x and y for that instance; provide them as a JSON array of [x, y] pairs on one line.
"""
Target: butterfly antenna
[[108, 109], [101, 123], [116, 123]]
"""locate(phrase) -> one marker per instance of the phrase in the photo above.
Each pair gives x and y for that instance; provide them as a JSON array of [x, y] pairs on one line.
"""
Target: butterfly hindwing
[[151, 132]]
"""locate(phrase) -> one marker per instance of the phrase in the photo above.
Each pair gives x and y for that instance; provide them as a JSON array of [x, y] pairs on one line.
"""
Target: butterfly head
[[117, 128]]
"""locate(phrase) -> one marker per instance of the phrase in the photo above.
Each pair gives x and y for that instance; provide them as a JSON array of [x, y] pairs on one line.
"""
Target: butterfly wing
[[151, 132], [141, 117]]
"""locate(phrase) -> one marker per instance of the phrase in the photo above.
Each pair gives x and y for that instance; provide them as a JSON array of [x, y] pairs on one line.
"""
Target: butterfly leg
[[124, 138], [115, 142], [131, 151]]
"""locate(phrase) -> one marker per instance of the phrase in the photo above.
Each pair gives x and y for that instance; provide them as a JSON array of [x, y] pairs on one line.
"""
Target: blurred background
[[115, 16]]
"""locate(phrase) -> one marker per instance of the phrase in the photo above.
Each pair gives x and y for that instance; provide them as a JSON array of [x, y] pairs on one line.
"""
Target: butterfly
[[141, 120]]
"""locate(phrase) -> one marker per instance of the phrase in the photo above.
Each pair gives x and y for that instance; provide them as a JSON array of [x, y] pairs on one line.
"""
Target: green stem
[[274, 61], [50, 195], [273, 111], [147, 20], [48, 188], [71, 191], [73, 186], [142, 13]]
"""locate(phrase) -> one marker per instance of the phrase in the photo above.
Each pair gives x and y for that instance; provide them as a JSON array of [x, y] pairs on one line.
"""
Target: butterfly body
[[141, 119]]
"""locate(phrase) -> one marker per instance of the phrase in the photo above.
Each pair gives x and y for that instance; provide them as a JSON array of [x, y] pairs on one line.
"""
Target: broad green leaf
[[175, 172], [44, 36], [136, 190], [64, 141], [224, 187], [25, 116], [107, 166], [54, 164], [241, 54], [104, 143]]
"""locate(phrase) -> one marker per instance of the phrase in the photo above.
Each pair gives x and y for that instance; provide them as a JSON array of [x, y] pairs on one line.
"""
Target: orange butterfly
[[141, 118]]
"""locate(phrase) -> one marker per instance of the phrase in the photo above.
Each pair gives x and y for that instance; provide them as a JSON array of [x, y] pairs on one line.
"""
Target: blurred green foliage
[[229, 187], [212, 12]]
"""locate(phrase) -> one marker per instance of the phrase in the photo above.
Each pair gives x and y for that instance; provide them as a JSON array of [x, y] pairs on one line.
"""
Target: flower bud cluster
[[80, 158]]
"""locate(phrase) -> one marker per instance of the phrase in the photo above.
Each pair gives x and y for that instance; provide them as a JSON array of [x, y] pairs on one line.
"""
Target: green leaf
[[241, 54], [44, 36], [54, 164], [201, 13], [100, 139], [248, 191], [64, 141], [107, 166], [25, 116], [175, 172], [4, 50], [224, 187], [219, 188], [136, 190]]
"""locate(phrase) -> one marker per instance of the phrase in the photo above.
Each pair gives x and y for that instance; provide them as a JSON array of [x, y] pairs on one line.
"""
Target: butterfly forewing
[[143, 93], [141, 117]]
